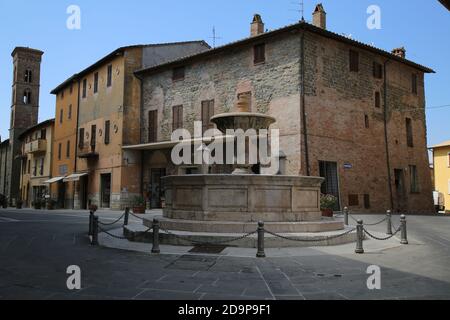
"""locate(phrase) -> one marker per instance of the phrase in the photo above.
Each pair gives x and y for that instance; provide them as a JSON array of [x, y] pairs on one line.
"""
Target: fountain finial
[[243, 104]]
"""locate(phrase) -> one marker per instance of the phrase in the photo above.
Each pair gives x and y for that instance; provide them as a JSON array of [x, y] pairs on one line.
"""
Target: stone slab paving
[[35, 255]]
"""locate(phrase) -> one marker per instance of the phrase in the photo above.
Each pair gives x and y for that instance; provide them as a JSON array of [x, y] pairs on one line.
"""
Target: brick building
[[24, 114], [346, 111]]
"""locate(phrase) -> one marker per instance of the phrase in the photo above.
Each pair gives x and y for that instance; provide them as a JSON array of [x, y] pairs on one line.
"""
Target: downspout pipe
[[76, 144], [141, 187], [303, 104], [386, 140]]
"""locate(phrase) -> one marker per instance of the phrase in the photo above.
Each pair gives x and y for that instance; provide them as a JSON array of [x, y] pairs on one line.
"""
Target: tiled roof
[[301, 25], [36, 127], [442, 144]]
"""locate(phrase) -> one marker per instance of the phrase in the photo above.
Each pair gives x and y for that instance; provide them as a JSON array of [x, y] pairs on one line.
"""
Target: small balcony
[[36, 146], [87, 152]]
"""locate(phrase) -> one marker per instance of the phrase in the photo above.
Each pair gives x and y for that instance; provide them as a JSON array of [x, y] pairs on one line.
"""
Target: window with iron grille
[[107, 130], [354, 60], [152, 125], [178, 73], [377, 70], [259, 53], [353, 200], [177, 117], [207, 114]]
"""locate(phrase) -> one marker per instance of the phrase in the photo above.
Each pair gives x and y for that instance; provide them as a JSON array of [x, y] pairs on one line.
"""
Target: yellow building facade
[[441, 160]]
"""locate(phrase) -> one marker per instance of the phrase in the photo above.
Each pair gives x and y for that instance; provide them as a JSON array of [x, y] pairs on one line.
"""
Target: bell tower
[[24, 109]]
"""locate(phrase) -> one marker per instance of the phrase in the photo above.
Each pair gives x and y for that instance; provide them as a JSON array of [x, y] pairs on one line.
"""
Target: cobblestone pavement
[[36, 247]]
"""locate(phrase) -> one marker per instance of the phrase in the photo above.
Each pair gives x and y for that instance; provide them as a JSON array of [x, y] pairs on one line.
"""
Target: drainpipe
[[76, 145], [303, 104], [141, 111], [386, 141]]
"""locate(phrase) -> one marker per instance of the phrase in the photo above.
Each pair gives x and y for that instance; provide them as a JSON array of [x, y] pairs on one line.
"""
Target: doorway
[[400, 191], [157, 189], [328, 170], [61, 194], [83, 192], [105, 187]]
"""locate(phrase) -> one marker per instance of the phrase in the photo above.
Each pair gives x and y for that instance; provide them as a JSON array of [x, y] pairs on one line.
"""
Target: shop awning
[[74, 177], [53, 180]]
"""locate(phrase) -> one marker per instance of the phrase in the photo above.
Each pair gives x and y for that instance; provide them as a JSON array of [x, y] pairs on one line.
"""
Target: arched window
[[27, 97], [28, 76]]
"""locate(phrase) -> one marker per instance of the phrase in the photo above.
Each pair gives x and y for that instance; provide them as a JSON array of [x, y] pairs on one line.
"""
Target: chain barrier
[[368, 224], [140, 218], [382, 239], [208, 242], [112, 235], [310, 240], [110, 224]]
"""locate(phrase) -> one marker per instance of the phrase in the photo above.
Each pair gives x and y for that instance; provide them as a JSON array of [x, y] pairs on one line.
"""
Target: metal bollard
[[359, 237], [346, 216], [260, 253], [389, 223], [127, 215], [155, 226], [95, 231], [91, 222], [404, 236]]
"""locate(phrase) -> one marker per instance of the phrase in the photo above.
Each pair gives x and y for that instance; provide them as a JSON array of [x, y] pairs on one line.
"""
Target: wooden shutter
[[377, 70], [259, 52], [177, 117], [409, 133], [354, 60], [207, 114], [93, 135], [107, 130], [178, 73], [81, 138], [152, 126], [414, 83]]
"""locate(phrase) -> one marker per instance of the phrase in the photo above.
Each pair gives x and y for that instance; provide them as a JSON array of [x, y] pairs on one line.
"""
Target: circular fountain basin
[[242, 120]]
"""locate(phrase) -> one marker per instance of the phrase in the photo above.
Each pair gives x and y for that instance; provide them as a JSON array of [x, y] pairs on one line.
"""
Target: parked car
[[438, 201]]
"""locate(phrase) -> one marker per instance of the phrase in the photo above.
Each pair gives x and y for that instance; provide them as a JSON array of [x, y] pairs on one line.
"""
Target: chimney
[[320, 17], [257, 26], [399, 52]]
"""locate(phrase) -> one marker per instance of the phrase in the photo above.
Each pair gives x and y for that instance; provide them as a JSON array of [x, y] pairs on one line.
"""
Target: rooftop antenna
[[300, 10], [215, 37]]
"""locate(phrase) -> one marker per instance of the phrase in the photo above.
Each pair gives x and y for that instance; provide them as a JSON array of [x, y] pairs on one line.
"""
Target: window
[[29, 166], [207, 114], [409, 133], [15, 74], [377, 70], [354, 60], [93, 135], [366, 121], [27, 97], [68, 149], [41, 167], [69, 116], [107, 129], [178, 73], [366, 201], [13, 98], [28, 76], [96, 82], [81, 138], [62, 94], [109, 77], [61, 115], [377, 100], [43, 134], [84, 88], [59, 151], [177, 122], [259, 53], [413, 179], [414, 83], [71, 89], [35, 168], [63, 169], [353, 200], [152, 125]]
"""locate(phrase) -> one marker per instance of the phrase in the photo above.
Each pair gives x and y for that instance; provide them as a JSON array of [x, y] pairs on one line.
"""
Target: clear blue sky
[[423, 27]]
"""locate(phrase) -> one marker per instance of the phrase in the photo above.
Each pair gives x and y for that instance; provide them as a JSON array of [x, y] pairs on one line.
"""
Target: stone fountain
[[217, 207]]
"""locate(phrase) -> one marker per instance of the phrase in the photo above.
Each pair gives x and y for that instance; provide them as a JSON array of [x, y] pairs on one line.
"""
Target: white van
[[438, 201]]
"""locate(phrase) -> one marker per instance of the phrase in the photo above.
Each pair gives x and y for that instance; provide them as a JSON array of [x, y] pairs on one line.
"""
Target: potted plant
[[327, 203], [51, 204], [139, 205], [19, 204]]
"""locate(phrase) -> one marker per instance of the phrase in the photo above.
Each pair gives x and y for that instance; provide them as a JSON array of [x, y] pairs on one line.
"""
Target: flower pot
[[139, 209], [327, 213]]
